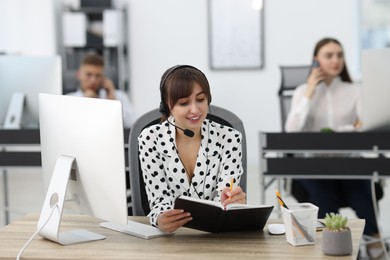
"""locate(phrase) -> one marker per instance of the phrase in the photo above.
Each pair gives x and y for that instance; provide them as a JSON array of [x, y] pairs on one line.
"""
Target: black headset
[[164, 108]]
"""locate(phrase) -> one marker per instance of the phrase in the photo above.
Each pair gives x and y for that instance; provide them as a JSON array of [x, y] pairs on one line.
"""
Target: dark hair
[[93, 59], [178, 82], [344, 75]]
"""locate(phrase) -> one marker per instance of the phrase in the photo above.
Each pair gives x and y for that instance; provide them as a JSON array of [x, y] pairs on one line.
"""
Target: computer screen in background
[[376, 89], [21, 79], [83, 163]]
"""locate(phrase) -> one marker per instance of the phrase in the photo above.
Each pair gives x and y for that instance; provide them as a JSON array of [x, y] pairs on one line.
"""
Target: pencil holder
[[300, 222]]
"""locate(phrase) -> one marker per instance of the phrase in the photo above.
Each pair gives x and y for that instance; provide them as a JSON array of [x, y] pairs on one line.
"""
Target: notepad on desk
[[213, 217]]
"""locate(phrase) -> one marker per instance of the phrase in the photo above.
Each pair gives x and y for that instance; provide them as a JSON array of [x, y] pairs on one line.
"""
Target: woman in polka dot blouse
[[188, 154]]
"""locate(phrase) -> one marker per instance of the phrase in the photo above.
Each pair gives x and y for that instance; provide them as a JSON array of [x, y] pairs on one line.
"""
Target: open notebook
[[211, 216]]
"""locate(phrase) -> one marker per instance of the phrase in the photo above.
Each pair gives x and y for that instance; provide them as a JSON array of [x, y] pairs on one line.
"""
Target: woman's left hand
[[236, 195]]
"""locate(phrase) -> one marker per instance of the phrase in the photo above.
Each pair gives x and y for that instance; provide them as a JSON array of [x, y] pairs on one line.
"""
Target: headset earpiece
[[163, 109], [163, 106]]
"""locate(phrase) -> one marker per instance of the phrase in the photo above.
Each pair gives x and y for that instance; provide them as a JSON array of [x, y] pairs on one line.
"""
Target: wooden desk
[[185, 244]]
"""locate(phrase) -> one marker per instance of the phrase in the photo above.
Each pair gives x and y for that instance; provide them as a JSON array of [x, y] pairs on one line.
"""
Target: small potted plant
[[336, 237]]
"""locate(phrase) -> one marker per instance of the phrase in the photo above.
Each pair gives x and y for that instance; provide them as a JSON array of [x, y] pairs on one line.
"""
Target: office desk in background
[[18, 148], [185, 244], [293, 155], [21, 147]]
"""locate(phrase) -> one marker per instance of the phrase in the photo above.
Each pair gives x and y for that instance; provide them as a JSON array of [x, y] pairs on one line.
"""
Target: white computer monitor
[[21, 79], [83, 163], [376, 89]]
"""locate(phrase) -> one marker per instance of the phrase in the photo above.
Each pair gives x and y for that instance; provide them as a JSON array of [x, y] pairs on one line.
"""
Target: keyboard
[[136, 229]]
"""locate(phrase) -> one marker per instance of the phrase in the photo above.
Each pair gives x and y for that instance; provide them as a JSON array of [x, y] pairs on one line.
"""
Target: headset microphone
[[187, 132]]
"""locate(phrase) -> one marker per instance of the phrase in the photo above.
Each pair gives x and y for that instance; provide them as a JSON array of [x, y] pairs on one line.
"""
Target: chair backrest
[[292, 77], [139, 200]]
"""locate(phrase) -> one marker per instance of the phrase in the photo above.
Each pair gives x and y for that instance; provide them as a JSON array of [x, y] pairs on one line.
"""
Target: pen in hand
[[228, 194], [231, 187]]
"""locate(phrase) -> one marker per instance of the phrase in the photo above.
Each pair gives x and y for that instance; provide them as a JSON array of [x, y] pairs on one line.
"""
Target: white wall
[[169, 32], [27, 27]]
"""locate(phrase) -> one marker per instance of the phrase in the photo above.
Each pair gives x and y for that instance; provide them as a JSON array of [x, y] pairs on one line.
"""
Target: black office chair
[[292, 77], [139, 200]]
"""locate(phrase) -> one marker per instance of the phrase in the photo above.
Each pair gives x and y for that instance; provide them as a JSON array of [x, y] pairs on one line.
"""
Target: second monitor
[[22, 78], [376, 89]]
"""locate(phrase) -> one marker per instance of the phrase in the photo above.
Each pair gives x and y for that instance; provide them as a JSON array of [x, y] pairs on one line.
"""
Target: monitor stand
[[13, 118], [50, 218]]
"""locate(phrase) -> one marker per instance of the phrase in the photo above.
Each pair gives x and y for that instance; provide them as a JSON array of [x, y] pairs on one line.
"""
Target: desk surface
[[185, 244]]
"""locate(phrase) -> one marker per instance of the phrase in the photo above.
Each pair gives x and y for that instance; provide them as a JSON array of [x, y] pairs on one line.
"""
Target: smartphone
[[315, 65]]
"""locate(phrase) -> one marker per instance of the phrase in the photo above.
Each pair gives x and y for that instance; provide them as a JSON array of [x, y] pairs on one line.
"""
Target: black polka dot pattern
[[218, 161]]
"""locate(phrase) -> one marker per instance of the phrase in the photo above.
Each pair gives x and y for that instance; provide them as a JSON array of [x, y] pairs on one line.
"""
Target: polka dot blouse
[[218, 160]]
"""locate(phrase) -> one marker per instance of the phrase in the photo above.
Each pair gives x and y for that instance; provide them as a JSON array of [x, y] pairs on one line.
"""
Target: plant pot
[[337, 242]]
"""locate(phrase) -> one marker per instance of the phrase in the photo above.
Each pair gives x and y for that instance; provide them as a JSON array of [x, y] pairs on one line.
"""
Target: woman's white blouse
[[219, 160], [337, 106]]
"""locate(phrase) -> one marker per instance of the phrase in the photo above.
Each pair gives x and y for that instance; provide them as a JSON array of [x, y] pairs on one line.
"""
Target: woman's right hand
[[316, 75], [171, 220]]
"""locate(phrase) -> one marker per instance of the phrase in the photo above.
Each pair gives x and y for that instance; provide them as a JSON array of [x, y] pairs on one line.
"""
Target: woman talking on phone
[[329, 101], [188, 154]]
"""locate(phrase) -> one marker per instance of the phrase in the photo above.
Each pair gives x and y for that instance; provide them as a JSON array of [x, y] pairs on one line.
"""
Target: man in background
[[94, 84]]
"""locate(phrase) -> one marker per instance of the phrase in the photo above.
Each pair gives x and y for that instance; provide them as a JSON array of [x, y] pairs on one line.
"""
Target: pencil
[[281, 202], [231, 184]]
